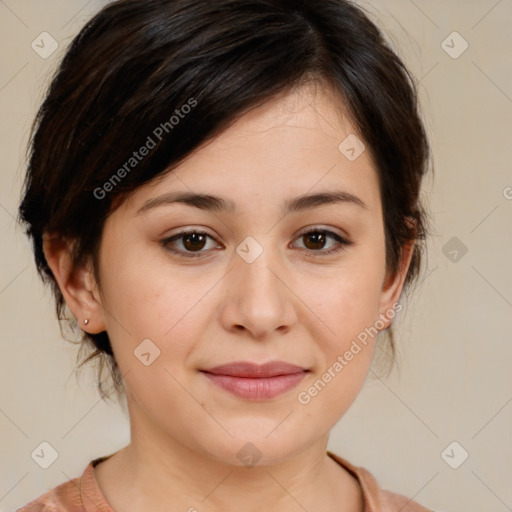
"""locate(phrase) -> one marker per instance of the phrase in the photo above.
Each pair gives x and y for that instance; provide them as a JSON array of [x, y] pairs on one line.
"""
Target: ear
[[78, 286], [393, 285]]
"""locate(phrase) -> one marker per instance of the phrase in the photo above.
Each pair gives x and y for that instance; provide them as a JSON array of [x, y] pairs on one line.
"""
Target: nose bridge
[[257, 266], [259, 300]]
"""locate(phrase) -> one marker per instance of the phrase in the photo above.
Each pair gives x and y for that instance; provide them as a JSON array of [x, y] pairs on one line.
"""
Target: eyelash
[[342, 243]]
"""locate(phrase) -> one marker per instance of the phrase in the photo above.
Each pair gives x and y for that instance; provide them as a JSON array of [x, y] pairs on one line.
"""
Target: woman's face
[[251, 286]]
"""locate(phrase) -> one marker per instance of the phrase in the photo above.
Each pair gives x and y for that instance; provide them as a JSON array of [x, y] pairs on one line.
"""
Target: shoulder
[[81, 494], [401, 503], [64, 497], [375, 498]]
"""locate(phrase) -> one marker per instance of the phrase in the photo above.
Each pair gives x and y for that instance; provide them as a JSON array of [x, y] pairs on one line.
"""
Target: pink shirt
[[84, 494]]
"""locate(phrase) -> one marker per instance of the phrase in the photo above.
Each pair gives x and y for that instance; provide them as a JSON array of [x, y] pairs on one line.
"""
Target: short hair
[[192, 68]]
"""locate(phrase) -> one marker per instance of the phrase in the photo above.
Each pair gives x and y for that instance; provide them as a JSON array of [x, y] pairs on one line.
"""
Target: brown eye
[[315, 241], [192, 243]]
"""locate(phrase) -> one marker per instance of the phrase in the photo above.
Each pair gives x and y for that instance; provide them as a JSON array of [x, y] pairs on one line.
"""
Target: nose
[[258, 298]]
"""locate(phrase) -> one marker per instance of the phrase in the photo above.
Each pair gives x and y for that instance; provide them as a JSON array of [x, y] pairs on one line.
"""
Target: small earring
[[86, 321]]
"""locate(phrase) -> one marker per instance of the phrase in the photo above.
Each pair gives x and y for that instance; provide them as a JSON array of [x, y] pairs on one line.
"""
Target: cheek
[[348, 300], [138, 289], [147, 300], [348, 344], [328, 395], [348, 307]]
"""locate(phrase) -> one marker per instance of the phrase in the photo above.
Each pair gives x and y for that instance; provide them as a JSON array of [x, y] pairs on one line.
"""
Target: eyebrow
[[219, 204]]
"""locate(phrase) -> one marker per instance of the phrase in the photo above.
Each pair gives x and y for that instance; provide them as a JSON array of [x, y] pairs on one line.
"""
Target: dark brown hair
[[128, 75]]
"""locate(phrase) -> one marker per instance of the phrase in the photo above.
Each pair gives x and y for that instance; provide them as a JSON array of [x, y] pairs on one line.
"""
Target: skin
[[291, 304]]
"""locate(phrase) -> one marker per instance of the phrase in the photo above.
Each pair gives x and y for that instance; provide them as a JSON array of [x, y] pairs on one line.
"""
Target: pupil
[[318, 239], [196, 237]]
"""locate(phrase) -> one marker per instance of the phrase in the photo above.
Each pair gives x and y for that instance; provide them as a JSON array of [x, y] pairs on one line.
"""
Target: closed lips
[[250, 381], [255, 371]]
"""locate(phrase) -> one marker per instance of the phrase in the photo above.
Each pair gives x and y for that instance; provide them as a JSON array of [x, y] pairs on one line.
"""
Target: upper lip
[[254, 370]]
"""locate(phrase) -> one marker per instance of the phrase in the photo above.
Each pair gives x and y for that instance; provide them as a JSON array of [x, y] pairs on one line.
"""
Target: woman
[[226, 197]]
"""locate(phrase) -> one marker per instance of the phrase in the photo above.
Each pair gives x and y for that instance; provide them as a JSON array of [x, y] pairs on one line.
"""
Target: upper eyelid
[[304, 231]]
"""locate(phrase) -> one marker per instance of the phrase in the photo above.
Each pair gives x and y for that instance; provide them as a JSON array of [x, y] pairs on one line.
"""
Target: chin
[[253, 446]]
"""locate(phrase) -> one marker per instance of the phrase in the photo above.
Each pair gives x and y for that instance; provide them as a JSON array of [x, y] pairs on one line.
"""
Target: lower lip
[[257, 389]]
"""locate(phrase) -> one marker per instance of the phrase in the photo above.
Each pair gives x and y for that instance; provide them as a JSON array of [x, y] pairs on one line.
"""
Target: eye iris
[[318, 239], [197, 241]]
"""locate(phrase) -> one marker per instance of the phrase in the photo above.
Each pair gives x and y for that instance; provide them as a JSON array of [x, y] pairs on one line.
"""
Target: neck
[[156, 472]]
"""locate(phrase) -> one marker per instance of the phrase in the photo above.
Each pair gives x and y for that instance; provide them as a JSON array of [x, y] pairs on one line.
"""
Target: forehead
[[291, 145]]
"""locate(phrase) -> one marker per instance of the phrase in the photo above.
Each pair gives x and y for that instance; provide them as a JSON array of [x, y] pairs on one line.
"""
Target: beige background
[[454, 336]]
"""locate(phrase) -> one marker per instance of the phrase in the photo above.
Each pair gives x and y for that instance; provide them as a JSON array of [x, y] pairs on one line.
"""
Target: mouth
[[256, 382]]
